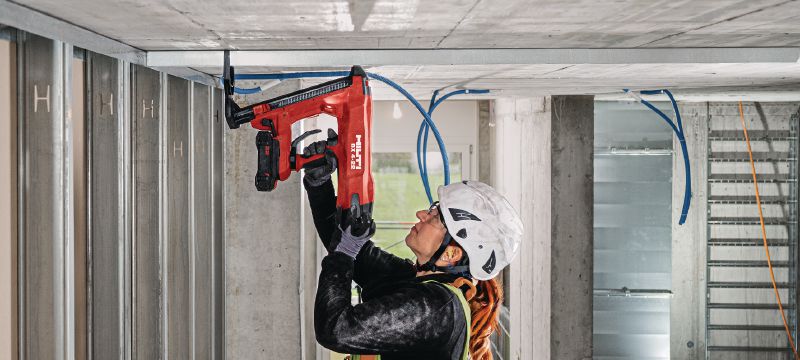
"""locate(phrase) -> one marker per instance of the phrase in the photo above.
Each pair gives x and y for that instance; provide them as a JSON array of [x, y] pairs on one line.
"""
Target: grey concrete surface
[[308, 24], [459, 24], [551, 184], [687, 308], [571, 252], [262, 253]]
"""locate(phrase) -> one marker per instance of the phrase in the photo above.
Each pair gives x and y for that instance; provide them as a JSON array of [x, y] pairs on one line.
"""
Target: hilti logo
[[355, 154]]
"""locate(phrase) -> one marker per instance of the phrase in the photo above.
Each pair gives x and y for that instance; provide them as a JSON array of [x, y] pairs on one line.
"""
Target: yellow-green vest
[[467, 316]]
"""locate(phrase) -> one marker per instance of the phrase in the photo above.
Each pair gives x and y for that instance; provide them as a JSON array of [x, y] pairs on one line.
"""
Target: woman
[[443, 307]]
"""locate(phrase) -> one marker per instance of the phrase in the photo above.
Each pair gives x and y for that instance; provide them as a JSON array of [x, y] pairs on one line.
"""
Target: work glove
[[352, 240], [319, 172]]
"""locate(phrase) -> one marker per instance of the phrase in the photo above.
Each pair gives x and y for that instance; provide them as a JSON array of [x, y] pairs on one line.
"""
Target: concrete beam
[[386, 57]]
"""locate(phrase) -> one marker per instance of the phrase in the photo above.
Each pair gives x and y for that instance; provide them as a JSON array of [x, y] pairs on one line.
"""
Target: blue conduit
[[317, 74], [422, 144], [687, 194]]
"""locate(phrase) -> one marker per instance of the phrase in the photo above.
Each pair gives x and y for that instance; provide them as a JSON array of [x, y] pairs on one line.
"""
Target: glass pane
[[399, 194]]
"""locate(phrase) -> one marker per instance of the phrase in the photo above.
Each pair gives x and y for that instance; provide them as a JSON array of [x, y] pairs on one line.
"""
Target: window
[[399, 194]]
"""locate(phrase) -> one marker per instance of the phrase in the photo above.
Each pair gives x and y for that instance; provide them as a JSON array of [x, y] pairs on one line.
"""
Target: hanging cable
[[422, 144], [317, 74], [678, 129], [764, 235]]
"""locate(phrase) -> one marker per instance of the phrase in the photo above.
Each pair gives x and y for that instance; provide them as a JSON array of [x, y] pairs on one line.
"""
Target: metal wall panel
[[154, 217], [632, 231], [178, 256], [201, 220], [106, 229], [46, 237], [147, 311], [8, 200], [218, 214]]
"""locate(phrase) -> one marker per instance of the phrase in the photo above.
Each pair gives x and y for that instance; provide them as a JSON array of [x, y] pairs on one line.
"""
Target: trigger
[[303, 136]]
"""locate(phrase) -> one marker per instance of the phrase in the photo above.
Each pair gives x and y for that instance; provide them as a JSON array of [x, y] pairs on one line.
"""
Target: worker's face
[[427, 234]]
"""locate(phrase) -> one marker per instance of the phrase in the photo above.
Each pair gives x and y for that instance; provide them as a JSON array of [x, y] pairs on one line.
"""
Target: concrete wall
[[687, 308], [689, 275], [543, 165], [263, 251]]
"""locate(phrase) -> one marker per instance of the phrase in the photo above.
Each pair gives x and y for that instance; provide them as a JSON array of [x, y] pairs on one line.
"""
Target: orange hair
[[484, 303], [485, 307]]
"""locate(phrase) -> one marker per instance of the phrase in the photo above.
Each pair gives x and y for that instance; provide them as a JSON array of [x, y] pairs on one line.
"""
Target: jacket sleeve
[[322, 200], [412, 319], [373, 265]]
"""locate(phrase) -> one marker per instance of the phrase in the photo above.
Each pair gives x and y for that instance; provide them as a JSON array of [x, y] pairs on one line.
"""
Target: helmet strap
[[461, 270], [431, 264]]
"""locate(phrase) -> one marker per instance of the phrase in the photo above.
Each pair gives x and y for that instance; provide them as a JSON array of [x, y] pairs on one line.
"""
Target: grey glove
[[319, 172], [350, 244]]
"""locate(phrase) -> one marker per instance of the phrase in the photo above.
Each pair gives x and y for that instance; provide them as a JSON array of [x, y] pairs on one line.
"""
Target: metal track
[[735, 265]]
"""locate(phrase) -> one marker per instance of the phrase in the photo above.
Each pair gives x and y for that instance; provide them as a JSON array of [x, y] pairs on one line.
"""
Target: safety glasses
[[435, 205]]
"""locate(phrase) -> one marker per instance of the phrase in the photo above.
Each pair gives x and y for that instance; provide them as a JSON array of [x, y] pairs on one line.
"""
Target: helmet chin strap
[[461, 269]]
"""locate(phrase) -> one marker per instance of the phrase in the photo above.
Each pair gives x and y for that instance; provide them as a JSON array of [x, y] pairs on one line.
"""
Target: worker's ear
[[452, 254]]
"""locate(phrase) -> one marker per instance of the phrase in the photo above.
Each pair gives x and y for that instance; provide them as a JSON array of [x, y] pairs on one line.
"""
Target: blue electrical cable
[[422, 146], [317, 74], [422, 160], [678, 129]]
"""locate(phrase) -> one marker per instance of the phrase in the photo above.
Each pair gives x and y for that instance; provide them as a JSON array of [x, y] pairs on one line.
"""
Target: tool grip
[[268, 155]]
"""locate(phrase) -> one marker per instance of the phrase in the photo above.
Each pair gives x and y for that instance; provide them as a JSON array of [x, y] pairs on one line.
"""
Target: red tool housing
[[349, 100]]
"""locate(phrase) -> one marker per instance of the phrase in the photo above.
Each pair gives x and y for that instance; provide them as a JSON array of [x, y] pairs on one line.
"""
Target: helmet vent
[[459, 215], [462, 233], [490, 264]]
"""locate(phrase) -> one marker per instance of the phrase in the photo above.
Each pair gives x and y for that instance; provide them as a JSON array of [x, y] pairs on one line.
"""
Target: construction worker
[[443, 307]]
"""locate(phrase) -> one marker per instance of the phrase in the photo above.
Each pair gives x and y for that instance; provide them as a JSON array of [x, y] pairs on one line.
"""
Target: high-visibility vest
[[467, 316]]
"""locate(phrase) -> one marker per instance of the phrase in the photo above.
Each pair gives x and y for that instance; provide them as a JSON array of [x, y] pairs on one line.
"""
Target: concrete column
[[263, 253], [687, 308], [543, 164]]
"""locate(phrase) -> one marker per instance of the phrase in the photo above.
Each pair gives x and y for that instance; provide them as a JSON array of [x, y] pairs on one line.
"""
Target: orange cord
[[764, 235]]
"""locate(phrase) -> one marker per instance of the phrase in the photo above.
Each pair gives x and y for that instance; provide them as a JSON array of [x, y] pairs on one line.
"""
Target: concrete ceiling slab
[[554, 79], [361, 24], [154, 25]]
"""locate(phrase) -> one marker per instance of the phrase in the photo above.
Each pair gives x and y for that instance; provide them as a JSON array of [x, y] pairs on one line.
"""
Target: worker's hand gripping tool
[[349, 100]]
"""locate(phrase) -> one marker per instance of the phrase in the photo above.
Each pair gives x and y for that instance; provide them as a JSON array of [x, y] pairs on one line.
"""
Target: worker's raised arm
[[373, 265], [322, 199]]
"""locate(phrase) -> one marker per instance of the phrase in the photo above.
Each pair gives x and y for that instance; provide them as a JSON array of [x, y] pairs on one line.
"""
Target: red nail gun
[[349, 100]]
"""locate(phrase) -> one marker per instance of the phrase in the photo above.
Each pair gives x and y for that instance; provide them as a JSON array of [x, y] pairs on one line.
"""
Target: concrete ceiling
[[523, 80], [360, 24], [153, 25]]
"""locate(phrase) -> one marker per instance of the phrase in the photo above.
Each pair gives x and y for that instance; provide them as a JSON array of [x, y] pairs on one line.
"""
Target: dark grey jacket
[[400, 317]]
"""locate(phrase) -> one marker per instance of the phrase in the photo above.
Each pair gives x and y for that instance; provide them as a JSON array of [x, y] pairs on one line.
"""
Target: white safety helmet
[[483, 223]]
